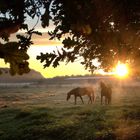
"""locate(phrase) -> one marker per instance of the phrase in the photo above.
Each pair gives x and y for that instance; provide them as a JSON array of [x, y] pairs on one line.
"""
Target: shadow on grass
[[66, 123]]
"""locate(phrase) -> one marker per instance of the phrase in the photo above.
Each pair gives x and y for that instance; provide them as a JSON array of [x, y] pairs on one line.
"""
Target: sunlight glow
[[62, 70], [121, 70]]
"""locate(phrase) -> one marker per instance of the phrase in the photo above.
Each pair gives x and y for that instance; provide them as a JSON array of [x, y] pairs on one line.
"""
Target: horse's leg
[[90, 99], [109, 100], [106, 100], [81, 99], [93, 98], [75, 98], [101, 99]]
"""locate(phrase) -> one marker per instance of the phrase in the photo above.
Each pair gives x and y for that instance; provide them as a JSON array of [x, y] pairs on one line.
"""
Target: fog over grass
[[40, 111]]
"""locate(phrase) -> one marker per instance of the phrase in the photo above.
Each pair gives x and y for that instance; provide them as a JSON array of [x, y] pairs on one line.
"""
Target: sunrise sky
[[62, 70], [43, 44]]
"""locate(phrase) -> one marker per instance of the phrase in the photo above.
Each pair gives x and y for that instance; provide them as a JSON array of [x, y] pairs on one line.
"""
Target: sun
[[121, 70]]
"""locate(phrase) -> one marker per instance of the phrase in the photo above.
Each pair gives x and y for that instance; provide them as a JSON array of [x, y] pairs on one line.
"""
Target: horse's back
[[81, 91], [87, 91], [75, 90]]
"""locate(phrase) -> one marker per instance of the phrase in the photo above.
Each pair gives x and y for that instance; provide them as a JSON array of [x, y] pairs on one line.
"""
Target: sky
[[47, 46], [62, 70], [43, 44]]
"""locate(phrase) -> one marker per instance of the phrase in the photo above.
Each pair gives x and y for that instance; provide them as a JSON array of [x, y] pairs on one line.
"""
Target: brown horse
[[106, 91], [81, 91]]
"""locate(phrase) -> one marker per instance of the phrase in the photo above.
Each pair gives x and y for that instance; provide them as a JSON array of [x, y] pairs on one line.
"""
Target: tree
[[13, 15], [107, 30]]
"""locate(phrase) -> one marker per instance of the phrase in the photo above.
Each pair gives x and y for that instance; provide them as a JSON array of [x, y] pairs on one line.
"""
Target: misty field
[[41, 112]]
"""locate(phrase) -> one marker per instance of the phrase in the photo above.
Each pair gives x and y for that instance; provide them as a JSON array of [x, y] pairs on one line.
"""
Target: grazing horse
[[81, 91], [106, 91]]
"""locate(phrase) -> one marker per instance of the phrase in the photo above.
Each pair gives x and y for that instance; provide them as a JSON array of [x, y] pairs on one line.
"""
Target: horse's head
[[68, 96]]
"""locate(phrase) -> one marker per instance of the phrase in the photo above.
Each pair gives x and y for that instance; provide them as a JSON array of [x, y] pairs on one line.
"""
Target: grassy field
[[41, 112]]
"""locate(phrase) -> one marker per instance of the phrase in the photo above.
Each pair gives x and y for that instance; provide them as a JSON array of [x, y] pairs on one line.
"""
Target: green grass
[[37, 116], [80, 123]]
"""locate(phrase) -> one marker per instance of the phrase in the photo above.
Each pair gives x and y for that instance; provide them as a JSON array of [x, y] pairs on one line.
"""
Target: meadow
[[41, 112]]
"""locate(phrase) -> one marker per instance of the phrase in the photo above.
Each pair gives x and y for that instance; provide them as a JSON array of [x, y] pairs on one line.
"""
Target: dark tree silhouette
[[108, 30]]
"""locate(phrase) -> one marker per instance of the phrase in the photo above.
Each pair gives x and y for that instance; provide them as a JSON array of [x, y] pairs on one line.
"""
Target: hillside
[[32, 76]]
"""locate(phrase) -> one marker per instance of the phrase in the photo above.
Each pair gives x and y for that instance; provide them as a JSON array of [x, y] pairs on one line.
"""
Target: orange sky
[[69, 69], [43, 44]]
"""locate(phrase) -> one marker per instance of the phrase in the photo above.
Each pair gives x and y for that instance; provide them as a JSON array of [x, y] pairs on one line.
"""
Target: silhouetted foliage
[[108, 30]]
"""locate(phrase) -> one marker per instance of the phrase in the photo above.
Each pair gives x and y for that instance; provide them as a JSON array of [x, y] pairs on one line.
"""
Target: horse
[[81, 91], [106, 91]]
